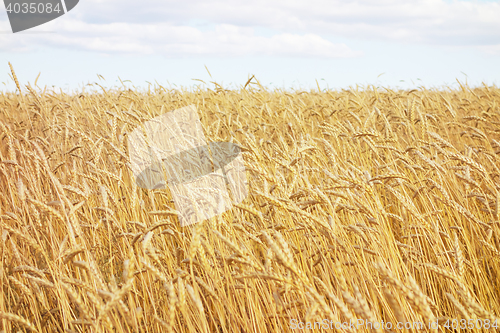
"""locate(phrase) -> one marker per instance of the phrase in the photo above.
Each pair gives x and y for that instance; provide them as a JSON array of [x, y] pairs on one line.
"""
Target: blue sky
[[285, 44]]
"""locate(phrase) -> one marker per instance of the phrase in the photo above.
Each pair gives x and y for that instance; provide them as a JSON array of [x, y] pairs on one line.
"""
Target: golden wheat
[[370, 204]]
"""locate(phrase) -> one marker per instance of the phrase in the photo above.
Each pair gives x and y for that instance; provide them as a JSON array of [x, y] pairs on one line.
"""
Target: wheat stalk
[[18, 320]]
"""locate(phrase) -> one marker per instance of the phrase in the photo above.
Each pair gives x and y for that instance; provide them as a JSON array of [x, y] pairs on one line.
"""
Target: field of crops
[[365, 204]]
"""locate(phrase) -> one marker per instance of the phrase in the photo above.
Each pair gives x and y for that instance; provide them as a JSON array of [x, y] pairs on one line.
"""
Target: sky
[[286, 44]]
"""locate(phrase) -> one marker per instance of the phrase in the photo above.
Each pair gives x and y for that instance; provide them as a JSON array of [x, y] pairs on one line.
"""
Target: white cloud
[[492, 50], [170, 40], [297, 28]]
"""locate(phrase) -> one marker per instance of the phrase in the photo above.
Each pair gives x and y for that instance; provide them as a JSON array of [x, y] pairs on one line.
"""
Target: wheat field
[[366, 205]]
